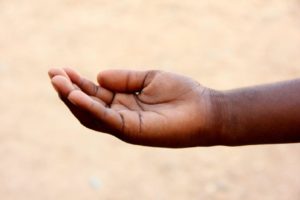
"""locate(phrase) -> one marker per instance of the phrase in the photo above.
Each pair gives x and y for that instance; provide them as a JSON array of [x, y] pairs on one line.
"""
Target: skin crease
[[163, 109]]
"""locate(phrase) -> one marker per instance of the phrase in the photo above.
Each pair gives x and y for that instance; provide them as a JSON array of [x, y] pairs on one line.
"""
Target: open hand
[[152, 108]]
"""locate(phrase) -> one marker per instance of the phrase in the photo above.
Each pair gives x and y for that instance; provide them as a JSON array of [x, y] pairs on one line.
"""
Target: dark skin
[[162, 109]]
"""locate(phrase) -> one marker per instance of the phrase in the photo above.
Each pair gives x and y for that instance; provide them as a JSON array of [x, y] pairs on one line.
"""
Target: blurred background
[[46, 154]]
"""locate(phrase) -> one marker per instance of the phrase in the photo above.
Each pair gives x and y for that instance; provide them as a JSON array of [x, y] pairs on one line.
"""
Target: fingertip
[[99, 77], [57, 71], [62, 85], [52, 72], [106, 74], [55, 80]]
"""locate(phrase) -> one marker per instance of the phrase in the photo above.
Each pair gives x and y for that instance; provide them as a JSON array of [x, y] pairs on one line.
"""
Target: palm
[[150, 108]]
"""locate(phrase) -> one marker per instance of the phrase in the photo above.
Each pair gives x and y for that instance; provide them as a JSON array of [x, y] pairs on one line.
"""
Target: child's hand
[[153, 108]]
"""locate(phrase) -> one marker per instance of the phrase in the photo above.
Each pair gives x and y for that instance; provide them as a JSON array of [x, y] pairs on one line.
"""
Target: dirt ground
[[46, 154]]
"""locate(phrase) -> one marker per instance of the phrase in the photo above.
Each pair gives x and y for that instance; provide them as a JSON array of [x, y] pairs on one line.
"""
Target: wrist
[[219, 115]]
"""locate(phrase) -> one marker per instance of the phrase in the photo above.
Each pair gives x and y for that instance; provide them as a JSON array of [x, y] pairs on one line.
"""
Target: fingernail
[[70, 98], [53, 71]]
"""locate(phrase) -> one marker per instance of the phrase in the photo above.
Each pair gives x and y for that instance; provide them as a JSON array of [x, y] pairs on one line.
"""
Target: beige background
[[46, 154]]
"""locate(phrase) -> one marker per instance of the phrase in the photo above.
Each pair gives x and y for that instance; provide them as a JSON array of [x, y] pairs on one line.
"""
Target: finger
[[124, 80], [82, 116], [85, 118], [89, 87], [56, 71], [104, 114], [62, 85]]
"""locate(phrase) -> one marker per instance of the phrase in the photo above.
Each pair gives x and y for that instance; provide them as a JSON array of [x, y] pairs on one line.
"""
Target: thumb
[[126, 81]]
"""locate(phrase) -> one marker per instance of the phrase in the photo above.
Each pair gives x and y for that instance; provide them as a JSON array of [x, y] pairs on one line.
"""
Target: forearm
[[258, 115]]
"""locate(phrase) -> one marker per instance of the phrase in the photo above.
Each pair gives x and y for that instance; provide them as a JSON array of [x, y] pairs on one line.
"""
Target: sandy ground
[[46, 154]]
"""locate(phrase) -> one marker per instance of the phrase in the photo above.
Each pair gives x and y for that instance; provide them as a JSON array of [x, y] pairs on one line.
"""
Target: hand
[[152, 108]]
